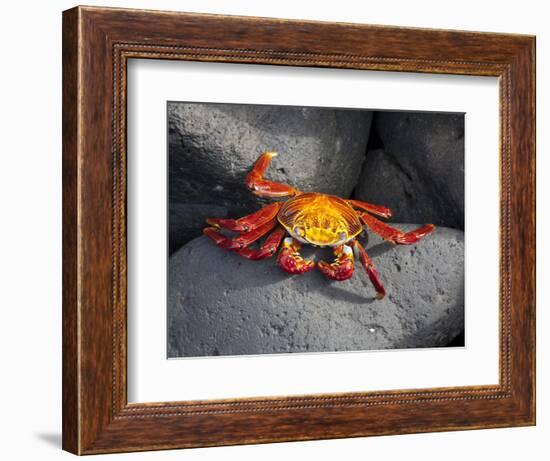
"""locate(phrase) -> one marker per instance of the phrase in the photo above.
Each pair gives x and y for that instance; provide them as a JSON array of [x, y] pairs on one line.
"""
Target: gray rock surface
[[419, 170], [212, 147], [222, 304]]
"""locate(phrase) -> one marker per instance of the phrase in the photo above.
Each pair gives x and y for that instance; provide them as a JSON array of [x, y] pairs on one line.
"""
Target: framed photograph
[[280, 230]]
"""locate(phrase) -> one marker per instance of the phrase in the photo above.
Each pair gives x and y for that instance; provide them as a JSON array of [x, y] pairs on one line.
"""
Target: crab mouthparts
[[321, 237]]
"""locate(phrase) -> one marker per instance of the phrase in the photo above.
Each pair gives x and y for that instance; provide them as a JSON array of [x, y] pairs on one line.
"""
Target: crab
[[312, 218]]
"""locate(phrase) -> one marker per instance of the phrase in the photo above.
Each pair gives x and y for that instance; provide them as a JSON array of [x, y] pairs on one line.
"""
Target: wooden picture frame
[[97, 43]]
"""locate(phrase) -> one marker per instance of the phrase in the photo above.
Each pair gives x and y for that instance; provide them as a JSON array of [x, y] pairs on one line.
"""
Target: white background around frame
[[151, 377], [30, 237]]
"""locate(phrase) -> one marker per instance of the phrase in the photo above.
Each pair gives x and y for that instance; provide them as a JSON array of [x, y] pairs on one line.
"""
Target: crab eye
[[299, 231], [343, 236]]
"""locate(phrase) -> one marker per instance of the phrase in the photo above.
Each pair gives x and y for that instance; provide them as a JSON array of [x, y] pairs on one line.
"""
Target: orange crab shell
[[320, 219]]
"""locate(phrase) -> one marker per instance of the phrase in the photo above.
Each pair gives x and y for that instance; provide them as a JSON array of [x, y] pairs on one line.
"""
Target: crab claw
[[289, 258], [342, 267]]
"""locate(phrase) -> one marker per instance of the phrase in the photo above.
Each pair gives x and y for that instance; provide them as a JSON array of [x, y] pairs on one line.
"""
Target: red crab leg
[[249, 222], [343, 265], [395, 235], [262, 187], [289, 258], [242, 240], [378, 210], [268, 248], [368, 265]]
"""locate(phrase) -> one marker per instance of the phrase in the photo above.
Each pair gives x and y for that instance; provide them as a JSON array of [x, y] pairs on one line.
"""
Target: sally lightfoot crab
[[312, 218]]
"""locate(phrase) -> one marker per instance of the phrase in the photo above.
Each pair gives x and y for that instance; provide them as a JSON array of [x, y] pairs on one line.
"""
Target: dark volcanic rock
[[419, 171], [221, 304], [212, 147], [321, 150]]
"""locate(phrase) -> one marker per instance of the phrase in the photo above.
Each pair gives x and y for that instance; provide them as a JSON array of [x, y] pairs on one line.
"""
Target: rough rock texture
[[221, 304], [213, 146], [419, 170]]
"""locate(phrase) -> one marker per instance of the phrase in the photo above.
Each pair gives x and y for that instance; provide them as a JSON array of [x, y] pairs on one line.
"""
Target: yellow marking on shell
[[319, 219], [299, 231]]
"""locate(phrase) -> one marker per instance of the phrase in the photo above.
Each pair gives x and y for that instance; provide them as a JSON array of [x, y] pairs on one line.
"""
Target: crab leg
[[262, 187], [268, 248], [343, 265], [242, 240], [368, 265], [395, 235], [249, 222], [378, 210], [289, 258]]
